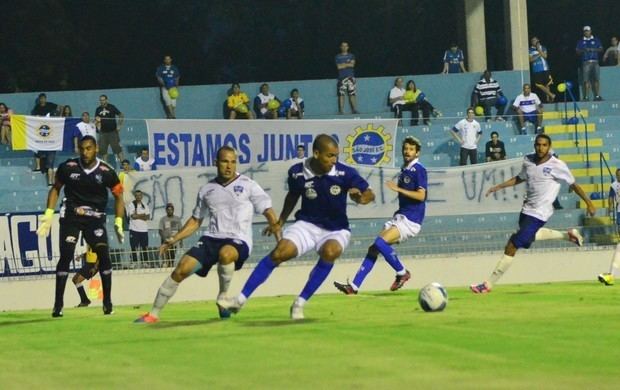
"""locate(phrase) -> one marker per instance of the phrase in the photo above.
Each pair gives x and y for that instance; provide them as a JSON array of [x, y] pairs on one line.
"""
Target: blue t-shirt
[[324, 198], [343, 59], [592, 43], [453, 59], [169, 74], [412, 177], [540, 64]]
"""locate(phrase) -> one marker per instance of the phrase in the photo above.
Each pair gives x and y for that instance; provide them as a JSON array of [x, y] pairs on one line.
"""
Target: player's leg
[[96, 236], [77, 280], [227, 257], [572, 235], [68, 236], [608, 278]]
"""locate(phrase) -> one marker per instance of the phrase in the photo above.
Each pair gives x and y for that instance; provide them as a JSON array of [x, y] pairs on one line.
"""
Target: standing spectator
[[611, 56], [529, 108], [294, 106], [138, 214], [5, 124], [43, 108], [453, 60], [418, 101], [467, 133], [169, 225], [109, 129], [301, 154], [144, 162], [85, 126], [237, 103], [67, 112], [126, 168], [540, 68], [345, 63], [588, 49], [495, 150], [488, 94], [168, 77], [263, 104]]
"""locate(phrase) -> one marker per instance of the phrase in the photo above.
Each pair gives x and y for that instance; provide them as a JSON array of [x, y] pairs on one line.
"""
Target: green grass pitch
[[544, 336]]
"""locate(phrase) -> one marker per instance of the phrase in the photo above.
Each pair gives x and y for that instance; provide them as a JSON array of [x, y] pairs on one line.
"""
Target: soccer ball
[[433, 297], [173, 93], [479, 110], [273, 104]]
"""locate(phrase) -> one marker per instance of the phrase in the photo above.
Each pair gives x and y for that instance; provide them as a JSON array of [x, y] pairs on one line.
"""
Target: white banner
[[451, 191], [194, 143]]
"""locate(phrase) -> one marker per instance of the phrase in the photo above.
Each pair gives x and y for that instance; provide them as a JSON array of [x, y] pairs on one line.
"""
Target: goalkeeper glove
[[46, 223], [118, 226]]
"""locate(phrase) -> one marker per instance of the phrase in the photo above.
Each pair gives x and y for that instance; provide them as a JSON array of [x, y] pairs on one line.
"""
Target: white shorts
[[406, 228], [307, 236], [167, 99]]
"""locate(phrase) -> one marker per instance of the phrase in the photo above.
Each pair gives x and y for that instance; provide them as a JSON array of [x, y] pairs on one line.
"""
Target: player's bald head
[[224, 149], [322, 142]]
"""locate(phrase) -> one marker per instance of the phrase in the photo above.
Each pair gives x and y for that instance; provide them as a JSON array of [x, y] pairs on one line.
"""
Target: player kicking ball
[[542, 172], [411, 188]]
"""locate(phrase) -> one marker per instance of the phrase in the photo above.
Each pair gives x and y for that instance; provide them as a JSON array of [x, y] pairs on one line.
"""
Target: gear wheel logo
[[369, 146]]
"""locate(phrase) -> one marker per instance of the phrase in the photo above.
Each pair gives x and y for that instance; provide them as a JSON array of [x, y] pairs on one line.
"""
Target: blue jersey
[[412, 178], [540, 64], [169, 74], [592, 43], [454, 60], [343, 59], [324, 198]]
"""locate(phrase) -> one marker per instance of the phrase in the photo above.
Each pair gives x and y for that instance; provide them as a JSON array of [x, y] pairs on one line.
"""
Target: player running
[[608, 278]]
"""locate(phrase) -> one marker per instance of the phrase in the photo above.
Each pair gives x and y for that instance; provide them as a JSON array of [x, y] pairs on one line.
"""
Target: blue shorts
[[531, 117], [207, 250], [526, 235]]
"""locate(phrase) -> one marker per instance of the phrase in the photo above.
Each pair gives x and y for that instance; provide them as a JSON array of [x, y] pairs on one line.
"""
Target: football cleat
[[297, 312], [229, 304], [108, 309], [57, 312], [575, 236], [607, 279], [345, 288], [224, 313], [146, 318], [400, 281], [482, 288], [84, 304]]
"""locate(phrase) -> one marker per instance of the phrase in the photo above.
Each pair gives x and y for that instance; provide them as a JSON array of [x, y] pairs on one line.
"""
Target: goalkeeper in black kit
[[86, 181]]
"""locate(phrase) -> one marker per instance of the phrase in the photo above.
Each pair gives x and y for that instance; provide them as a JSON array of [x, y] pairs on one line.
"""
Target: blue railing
[[574, 120]]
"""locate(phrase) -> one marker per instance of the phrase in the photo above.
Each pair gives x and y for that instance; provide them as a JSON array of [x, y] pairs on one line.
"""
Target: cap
[[586, 28], [169, 205]]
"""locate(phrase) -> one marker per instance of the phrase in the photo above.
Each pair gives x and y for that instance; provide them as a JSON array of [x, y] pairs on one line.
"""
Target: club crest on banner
[[369, 146]]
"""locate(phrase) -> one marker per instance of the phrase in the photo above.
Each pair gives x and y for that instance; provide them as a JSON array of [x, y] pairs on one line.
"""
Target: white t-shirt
[[264, 99], [614, 192], [468, 131], [87, 129], [527, 103], [397, 93], [137, 225], [141, 165], [231, 208], [543, 185]]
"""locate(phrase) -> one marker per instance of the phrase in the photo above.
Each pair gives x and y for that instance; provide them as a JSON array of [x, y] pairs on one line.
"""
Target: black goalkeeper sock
[[61, 282]]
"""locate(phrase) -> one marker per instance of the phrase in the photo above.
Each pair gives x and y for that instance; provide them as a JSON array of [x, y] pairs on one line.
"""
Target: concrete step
[[571, 158], [598, 221], [598, 203], [548, 115], [567, 143], [569, 129], [588, 172], [605, 239]]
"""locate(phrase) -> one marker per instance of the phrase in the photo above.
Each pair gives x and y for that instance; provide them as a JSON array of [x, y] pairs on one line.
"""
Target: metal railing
[[574, 120]]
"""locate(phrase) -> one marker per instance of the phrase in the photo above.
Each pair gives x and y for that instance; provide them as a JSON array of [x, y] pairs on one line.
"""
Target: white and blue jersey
[[169, 74], [412, 177], [589, 43], [539, 64], [324, 198], [453, 59]]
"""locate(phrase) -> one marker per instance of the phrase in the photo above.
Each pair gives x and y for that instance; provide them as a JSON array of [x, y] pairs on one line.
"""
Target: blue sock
[[365, 268], [389, 254], [259, 275], [317, 277]]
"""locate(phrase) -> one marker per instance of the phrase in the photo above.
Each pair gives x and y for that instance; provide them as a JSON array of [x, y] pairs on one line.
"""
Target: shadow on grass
[[24, 322], [176, 324], [276, 323]]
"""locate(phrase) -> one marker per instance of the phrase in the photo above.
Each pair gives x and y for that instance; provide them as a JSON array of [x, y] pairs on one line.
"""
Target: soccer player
[[542, 172], [90, 267], [614, 203], [86, 180], [406, 222], [230, 200], [321, 223]]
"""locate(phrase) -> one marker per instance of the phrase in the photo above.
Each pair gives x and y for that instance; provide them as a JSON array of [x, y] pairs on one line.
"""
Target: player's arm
[[52, 198], [455, 135], [579, 191], [190, 227], [274, 224], [417, 194], [508, 183], [287, 208], [611, 201], [361, 197], [119, 210]]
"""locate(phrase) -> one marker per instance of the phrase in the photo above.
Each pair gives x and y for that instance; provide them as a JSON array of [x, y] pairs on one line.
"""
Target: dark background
[[48, 45]]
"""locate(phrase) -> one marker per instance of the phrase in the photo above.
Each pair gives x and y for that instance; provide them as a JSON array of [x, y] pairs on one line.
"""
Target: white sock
[[165, 292], [502, 266], [615, 260], [299, 302], [225, 273], [241, 299], [549, 234]]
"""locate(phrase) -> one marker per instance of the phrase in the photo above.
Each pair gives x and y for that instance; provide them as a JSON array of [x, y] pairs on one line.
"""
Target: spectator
[[169, 225], [168, 76], [397, 101], [138, 214], [453, 60], [109, 129], [238, 104], [418, 101], [126, 168], [5, 124], [67, 112], [263, 107], [529, 109], [540, 69], [294, 106], [588, 49], [86, 127], [467, 133], [43, 108], [144, 162], [301, 154], [345, 63], [611, 57], [488, 94], [494, 150]]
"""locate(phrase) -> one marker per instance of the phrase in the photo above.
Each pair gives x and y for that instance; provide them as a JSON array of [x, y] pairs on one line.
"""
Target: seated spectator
[[397, 103], [144, 162], [418, 101], [529, 109], [453, 60], [5, 124], [67, 112], [494, 149], [293, 107], [611, 57], [266, 104], [238, 104], [488, 94]]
